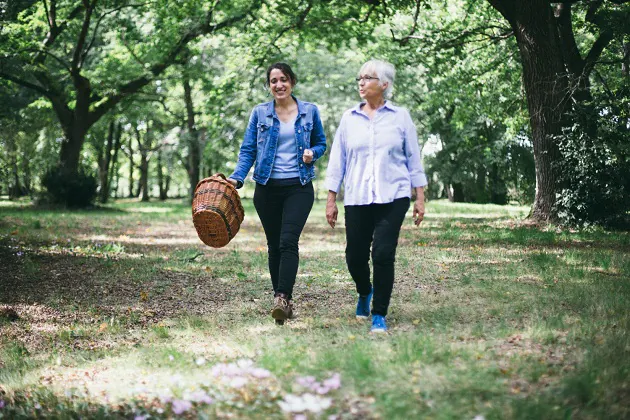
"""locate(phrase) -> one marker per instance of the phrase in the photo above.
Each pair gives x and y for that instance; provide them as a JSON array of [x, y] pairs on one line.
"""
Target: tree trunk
[[481, 187], [625, 64], [14, 187], [113, 171], [162, 183], [194, 153], [104, 158], [546, 89], [143, 186], [498, 189], [458, 193], [131, 167]]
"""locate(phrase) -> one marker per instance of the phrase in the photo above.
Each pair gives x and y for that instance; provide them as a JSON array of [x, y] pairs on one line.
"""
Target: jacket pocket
[[307, 130], [262, 132]]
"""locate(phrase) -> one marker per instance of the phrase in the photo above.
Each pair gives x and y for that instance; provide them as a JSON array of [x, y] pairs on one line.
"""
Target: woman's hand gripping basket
[[217, 211]]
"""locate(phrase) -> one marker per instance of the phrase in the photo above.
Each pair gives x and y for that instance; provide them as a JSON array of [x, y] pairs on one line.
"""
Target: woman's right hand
[[331, 209], [233, 182]]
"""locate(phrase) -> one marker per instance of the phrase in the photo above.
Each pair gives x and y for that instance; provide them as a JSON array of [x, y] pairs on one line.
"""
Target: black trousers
[[283, 211], [378, 226]]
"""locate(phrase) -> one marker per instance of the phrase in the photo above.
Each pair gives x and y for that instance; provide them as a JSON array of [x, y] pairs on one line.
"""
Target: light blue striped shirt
[[378, 160]]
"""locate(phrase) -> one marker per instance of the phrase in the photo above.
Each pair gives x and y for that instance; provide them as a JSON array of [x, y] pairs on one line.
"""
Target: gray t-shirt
[[285, 164]]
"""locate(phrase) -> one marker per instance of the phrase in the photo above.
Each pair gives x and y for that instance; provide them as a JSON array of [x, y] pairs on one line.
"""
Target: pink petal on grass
[[305, 381], [334, 382], [181, 406]]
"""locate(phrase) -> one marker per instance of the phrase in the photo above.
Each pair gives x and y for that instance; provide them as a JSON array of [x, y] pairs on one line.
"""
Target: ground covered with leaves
[[122, 312]]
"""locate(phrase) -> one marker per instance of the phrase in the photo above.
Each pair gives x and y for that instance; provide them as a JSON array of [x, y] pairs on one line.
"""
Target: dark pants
[[283, 211], [376, 225]]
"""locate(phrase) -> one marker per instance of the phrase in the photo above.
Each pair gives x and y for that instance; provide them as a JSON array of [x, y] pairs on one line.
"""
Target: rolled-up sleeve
[[337, 160], [413, 154]]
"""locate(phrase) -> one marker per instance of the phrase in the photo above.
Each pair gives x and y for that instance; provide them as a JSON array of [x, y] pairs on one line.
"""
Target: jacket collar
[[271, 108]]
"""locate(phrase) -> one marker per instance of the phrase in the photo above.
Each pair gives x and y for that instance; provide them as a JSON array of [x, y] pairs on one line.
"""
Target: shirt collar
[[387, 105]]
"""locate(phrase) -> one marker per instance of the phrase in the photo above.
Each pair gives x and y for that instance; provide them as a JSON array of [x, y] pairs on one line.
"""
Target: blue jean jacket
[[261, 142]]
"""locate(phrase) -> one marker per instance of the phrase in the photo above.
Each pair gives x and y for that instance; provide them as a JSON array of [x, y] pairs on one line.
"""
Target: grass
[[123, 312]]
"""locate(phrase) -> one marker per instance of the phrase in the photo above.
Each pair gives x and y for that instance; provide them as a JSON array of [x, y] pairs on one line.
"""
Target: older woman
[[284, 138], [376, 154]]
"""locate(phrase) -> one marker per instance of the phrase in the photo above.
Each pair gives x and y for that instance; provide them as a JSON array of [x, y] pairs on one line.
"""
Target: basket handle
[[217, 175]]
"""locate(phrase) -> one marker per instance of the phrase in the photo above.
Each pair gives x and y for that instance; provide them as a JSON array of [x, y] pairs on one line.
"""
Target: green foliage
[[593, 172], [71, 190]]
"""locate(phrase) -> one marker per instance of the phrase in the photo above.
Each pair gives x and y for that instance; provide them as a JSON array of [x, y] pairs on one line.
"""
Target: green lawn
[[123, 312]]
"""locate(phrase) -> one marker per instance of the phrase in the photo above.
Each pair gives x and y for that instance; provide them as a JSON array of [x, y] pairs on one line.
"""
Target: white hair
[[384, 71]]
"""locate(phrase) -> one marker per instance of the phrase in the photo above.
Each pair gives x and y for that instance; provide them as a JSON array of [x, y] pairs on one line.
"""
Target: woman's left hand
[[418, 207], [307, 157], [418, 211]]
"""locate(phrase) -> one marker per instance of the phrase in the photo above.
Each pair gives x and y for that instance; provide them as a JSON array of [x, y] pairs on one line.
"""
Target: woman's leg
[[298, 202], [389, 218], [359, 231], [268, 204]]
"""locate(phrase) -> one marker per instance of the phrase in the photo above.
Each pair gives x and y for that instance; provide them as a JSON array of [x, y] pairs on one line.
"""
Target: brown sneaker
[[281, 308]]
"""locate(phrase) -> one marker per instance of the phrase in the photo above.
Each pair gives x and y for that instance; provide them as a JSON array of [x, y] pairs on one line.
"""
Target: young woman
[[283, 140]]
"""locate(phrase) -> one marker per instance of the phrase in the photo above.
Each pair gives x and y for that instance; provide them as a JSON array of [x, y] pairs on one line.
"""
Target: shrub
[[72, 190], [593, 172]]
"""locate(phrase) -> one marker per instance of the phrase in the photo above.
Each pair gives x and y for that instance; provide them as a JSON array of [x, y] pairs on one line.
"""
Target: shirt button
[[300, 165]]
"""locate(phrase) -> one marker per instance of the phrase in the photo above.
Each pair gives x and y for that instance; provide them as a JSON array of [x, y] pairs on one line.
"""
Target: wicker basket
[[217, 211]]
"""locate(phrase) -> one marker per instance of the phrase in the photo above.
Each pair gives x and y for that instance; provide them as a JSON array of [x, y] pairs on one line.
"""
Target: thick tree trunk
[[194, 152], [70, 153], [546, 89]]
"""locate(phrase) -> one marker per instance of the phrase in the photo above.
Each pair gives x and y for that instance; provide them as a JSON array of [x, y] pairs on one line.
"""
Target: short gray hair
[[384, 71]]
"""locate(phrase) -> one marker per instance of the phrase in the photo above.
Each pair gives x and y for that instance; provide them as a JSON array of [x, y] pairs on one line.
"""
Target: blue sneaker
[[378, 324], [363, 306]]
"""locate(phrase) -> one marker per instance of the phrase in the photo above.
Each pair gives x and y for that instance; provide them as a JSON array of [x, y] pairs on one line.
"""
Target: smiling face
[[280, 85], [370, 87]]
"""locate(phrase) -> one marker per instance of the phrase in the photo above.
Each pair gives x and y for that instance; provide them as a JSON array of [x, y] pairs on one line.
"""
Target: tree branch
[[24, 83], [98, 23], [52, 35], [51, 24], [596, 51], [571, 53], [158, 68], [76, 57]]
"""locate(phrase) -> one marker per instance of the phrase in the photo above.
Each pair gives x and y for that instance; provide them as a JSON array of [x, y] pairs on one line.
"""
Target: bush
[[72, 190], [593, 172]]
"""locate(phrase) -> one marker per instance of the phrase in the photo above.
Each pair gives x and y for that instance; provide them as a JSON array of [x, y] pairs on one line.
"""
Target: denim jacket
[[261, 141]]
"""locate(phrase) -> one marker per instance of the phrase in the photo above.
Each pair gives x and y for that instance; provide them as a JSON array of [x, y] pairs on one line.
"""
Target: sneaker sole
[[362, 317], [378, 331]]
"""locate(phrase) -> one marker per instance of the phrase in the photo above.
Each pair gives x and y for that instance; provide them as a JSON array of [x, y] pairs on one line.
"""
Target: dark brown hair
[[284, 68]]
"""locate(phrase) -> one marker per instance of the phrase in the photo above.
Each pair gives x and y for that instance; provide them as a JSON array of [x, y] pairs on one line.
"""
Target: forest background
[[513, 103]]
